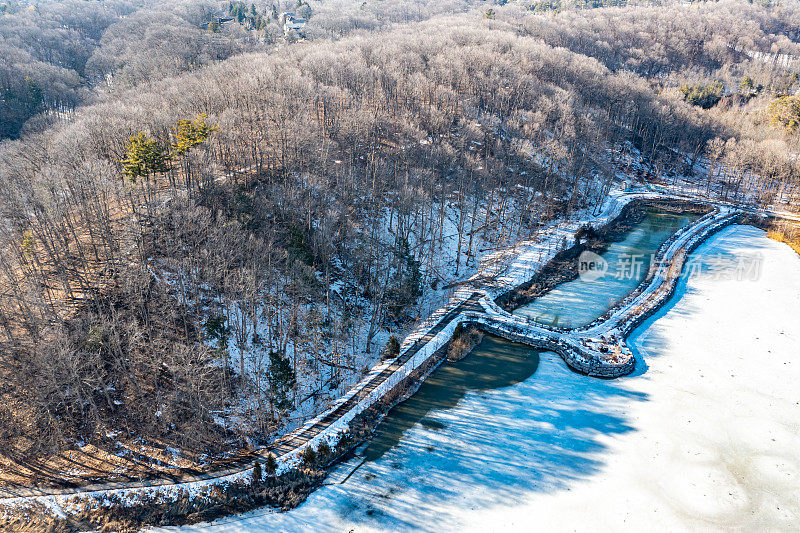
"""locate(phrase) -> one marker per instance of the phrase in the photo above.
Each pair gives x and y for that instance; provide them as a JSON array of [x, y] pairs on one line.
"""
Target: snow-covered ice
[[704, 434]]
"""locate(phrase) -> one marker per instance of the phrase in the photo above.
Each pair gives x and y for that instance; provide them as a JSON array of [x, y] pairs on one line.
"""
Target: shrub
[[323, 451], [391, 349], [270, 465], [309, 457], [463, 341]]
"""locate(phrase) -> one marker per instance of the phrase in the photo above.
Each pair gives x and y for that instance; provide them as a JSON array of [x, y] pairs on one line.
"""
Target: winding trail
[[597, 350]]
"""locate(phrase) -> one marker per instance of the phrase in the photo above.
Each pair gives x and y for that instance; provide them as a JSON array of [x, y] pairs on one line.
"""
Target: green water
[[496, 363], [493, 364], [579, 302]]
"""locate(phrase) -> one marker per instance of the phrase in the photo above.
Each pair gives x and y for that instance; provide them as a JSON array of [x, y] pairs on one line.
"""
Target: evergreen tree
[[281, 378], [189, 133], [270, 465], [747, 85], [391, 349], [217, 329], [323, 451], [144, 156], [785, 111], [34, 94], [407, 283], [705, 96], [309, 457], [257, 473]]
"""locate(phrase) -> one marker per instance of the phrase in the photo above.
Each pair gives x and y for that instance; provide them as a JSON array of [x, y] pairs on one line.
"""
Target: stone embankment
[[597, 350]]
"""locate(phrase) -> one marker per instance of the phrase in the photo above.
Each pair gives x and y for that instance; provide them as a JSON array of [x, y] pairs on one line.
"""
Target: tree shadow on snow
[[488, 444], [493, 429]]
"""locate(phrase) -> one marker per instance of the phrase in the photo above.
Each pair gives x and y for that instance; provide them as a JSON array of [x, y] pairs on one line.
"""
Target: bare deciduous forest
[[210, 227]]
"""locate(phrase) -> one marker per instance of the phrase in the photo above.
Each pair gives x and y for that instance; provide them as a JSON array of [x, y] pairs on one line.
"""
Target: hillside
[[194, 263]]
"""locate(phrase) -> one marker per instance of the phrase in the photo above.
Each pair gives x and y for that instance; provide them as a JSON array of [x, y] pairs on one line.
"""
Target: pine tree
[[747, 85], [309, 457], [189, 133], [391, 349], [407, 283], [323, 451], [34, 94], [217, 329], [257, 473], [144, 156], [281, 378], [785, 111], [270, 465]]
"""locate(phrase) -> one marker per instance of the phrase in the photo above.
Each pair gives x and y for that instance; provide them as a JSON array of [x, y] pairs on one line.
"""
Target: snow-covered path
[[704, 434], [526, 259], [508, 269]]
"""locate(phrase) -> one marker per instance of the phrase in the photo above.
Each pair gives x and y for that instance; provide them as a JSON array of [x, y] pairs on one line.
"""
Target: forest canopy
[[210, 225]]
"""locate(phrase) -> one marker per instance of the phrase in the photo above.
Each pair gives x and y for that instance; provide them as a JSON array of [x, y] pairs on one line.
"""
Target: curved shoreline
[[396, 379], [599, 349]]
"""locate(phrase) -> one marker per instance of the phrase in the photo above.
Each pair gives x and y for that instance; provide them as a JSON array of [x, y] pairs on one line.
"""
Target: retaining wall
[[573, 355]]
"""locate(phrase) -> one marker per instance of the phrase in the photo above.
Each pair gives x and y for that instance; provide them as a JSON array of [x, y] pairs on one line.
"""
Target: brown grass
[[786, 233], [463, 341]]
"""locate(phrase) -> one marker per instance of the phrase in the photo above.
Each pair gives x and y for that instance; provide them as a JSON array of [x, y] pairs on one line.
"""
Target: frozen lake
[[704, 435], [578, 302]]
